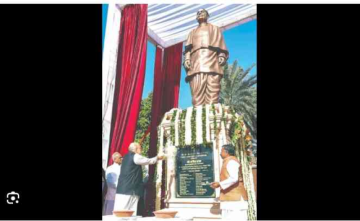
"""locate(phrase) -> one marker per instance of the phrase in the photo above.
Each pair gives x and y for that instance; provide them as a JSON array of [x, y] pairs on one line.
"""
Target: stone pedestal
[[199, 208]]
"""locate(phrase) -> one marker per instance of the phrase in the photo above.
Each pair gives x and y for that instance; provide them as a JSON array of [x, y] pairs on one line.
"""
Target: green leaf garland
[[214, 112], [193, 127], [172, 127], [182, 128], [203, 124]]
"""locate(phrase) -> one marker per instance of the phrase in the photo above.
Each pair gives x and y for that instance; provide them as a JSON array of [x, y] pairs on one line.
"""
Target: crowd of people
[[124, 182]]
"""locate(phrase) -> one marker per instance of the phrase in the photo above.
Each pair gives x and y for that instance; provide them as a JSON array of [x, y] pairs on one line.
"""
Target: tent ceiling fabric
[[169, 24]]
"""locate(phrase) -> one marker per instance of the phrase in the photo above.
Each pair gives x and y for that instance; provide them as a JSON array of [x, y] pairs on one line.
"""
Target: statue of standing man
[[205, 53]]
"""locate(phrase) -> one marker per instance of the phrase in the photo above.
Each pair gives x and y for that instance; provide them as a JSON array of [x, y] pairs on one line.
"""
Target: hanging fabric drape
[[130, 74], [172, 71], [165, 97], [109, 72]]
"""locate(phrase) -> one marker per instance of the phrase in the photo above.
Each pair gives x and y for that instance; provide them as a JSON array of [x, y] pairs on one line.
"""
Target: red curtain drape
[[130, 74], [165, 97]]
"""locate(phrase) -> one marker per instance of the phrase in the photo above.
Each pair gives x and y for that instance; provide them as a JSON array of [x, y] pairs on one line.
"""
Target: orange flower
[[248, 137]]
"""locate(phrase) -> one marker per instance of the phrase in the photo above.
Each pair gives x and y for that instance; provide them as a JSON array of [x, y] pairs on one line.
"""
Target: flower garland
[[248, 181], [172, 127], [223, 118], [193, 127], [158, 168], [248, 144], [182, 128], [242, 141], [214, 113], [203, 124]]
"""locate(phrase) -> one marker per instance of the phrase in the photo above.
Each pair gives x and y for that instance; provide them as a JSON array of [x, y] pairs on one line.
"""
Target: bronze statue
[[205, 53]]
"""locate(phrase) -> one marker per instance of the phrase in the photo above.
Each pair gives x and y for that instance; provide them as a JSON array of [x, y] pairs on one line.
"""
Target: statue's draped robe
[[203, 49]]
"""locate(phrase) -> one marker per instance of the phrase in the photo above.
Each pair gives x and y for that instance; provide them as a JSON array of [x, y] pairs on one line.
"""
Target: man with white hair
[[130, 185], [112, 177]]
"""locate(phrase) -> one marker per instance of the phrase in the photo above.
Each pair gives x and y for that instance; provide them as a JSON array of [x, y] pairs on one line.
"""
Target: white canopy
[[169, 24]]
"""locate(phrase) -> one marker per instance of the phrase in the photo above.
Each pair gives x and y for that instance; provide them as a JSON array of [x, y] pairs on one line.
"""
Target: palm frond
[[238, 89], [245, 73]]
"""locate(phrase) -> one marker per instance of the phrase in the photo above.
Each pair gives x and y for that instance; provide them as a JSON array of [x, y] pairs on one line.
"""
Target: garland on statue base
[[214, 113], [182, 128], [172, 127], [203, 124], [242, 140], [235, 128], [193, 127]]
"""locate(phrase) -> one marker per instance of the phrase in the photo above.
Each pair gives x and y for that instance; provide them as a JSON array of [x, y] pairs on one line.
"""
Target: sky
[[104, 17], [240, 41]]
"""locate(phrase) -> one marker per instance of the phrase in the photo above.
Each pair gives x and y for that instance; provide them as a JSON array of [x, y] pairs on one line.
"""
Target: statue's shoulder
[[193, 30], [214, 26]]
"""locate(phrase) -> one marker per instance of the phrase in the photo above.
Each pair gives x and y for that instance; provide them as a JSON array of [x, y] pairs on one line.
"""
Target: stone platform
[[202, 119]]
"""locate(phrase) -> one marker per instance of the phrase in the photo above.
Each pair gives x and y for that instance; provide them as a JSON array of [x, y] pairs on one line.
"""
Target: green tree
[[143, 123], [238, 90]]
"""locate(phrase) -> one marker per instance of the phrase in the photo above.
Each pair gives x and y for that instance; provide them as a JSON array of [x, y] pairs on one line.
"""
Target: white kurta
[[129, 202], [112, 176], [233, 210]]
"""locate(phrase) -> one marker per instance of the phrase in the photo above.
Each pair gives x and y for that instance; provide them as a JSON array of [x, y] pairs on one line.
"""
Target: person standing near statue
[[112, 177], [233, 196], [130, 184], [205, 53]]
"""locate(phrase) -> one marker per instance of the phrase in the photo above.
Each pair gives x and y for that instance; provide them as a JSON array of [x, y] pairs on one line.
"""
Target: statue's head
[[202, 15]]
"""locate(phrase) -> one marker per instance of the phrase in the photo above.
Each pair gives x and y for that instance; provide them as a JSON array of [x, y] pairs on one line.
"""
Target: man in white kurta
[[233, 195], [130, 185], [112, 177]]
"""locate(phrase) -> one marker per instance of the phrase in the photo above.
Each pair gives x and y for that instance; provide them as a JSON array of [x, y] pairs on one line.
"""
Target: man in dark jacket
[[130, 184]]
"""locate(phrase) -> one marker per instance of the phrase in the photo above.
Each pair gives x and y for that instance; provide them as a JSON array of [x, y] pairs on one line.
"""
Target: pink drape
[[165, 97], [130, 74]]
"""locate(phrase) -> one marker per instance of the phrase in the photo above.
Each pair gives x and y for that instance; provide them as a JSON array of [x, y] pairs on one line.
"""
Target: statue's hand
[[222, 61], [187, 64]]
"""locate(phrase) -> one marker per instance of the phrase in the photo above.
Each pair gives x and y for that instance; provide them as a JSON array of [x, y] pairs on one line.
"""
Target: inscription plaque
[[195, 172]]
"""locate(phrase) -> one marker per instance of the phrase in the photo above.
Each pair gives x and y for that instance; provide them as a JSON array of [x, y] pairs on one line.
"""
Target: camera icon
[[12, 197]]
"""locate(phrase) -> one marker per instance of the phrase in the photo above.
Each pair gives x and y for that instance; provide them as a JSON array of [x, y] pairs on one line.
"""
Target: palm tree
[[238, 90]]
